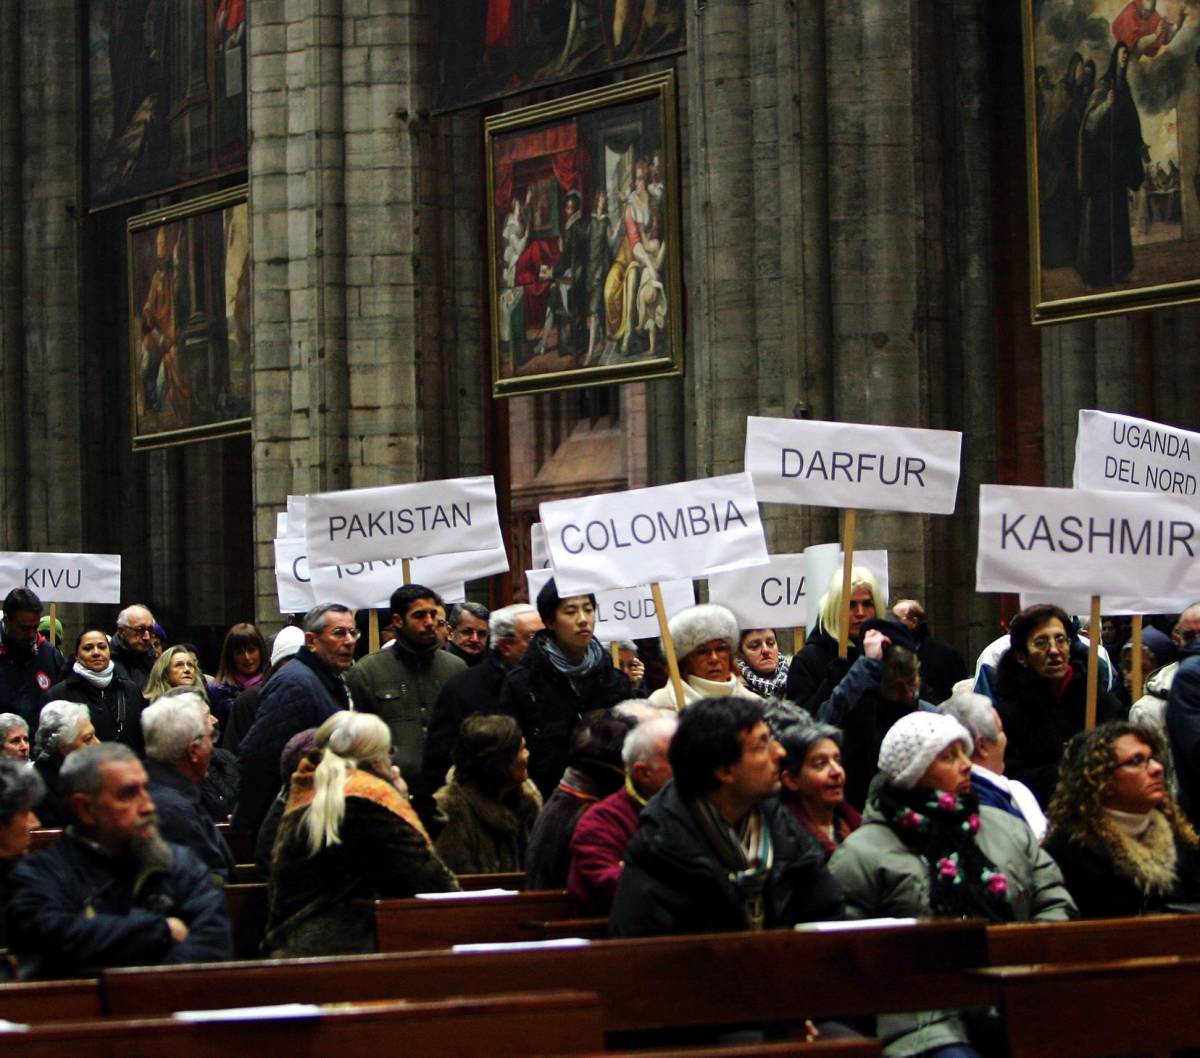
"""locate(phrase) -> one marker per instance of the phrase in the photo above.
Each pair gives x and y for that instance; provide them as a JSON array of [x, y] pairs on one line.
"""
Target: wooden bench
[[40, 839], [426, 925], [1085, 1010], [644, 984], [501, 1025], [504, 880], [34, 1002], [248, 906], [1092, 940], [865, 1048]]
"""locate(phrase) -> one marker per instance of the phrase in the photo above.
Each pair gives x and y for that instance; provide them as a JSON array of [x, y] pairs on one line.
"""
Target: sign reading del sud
[[402, 521], [670, 532], [853, 465]]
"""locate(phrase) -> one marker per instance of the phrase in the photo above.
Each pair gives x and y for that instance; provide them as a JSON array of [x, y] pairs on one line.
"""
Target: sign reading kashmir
[[627, 613], [402, 521], [670, 532], [57, 577], [1088, 543], [1125, 454], [852, 465]]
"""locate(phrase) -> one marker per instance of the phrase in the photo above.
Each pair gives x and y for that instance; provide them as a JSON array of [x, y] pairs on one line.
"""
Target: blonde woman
[[176, 666], [348, 833]]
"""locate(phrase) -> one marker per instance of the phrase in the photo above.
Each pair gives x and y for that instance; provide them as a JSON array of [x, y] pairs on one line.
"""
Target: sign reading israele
[[670, 532], [845, 464], [292, 583], [1083, 542], [402, 521], [626, 613], [1124, 454], [62, 577]]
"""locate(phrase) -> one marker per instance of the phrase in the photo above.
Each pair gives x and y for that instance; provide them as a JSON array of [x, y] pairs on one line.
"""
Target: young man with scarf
[[28, 663], [715, 849]]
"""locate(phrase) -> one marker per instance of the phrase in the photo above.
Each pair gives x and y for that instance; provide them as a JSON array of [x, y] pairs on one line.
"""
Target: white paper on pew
[[466, 894], [860, 923], [277, 1010], [12, 1026], [525, 945]]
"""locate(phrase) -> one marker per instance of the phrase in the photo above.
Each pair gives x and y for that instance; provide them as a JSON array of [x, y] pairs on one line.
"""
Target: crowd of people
[[761, 792]]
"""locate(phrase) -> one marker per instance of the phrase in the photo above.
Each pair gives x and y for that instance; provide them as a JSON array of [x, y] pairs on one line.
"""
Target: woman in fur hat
[[705, 638], [1123, 845], [927, 848]]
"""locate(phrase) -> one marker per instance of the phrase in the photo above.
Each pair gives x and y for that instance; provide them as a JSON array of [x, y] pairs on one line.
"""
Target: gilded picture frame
[[190, 348], [1112, 117], [601, 301]]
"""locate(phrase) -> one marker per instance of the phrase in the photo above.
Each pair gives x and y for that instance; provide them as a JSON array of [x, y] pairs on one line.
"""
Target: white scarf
[[96, 679]]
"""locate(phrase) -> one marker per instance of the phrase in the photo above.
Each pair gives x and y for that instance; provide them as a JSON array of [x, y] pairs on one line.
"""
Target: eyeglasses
[[1045, 642], [139, 632], [1138, 762], [343, 633]]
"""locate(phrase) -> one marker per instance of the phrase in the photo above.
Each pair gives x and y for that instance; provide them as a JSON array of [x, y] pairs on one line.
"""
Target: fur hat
[[288, 641], [696, 625], [913, 743]]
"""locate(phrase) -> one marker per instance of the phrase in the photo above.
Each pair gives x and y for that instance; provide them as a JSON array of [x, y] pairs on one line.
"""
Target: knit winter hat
[[696, 625], [288, 641], [913, 743]]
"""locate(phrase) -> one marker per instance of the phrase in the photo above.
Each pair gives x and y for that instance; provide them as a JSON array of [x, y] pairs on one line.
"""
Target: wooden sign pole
[[614, 649], [1093, 671], [53, 624], [797, 639], [668, 645], [372, 630], [1135, 635], [848, 528]]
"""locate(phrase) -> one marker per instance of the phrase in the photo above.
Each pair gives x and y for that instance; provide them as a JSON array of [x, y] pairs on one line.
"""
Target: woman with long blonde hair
[[348, 833]]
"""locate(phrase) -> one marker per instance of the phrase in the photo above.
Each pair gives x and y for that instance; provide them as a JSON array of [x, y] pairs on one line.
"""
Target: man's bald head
[[1187, 627]]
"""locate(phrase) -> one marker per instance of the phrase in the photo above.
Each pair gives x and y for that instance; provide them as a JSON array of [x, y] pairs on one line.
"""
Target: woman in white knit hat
[[927, 848], [705, 639]]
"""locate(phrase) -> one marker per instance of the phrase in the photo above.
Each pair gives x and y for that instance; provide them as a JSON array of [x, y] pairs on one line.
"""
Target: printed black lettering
[[563, 539], [591, 537], [31, 578], [404, 520], [842, 461], [1007, 530], [375, 524], [1070, 530], [914, 467], [337, 523], [798, 461], [675, 531], [698, 516], [1130, 544], [883, 462], [732, 514], [775, 584], [633, 528], [1095, 534], [296, 568], [1181, 533], [78, 579]]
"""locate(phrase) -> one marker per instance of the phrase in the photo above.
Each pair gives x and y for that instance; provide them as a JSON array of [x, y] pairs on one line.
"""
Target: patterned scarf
[[942, 829], [593, 658], [771, 686], [746, 854]]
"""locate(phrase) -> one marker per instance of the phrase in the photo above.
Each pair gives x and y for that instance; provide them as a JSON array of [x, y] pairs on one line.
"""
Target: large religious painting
[[584, 239], [189, 321], [166, 94], [1113, 119], [491, 48]]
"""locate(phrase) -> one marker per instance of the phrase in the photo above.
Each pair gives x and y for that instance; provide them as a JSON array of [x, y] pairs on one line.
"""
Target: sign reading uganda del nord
[[1125, 454], [670, 532], [1086, 542], [853, 465], [63, 577]]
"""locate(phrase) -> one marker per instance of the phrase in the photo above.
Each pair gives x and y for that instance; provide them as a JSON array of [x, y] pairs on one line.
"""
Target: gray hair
[[502, 623], [975, 712], [10, 720], [475, 609], [21, 788], [172, 724], [628, 644], [799, 737], [639, 710], [82, 772], [640, 742], [316, 618], [123, 616], [58, 724]]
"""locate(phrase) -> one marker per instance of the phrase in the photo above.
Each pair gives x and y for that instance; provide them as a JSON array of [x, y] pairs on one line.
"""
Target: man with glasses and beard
[[110, 891]]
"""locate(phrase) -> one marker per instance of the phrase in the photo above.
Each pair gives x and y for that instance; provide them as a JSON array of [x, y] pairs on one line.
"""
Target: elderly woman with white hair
[[348, 834], [14, 737], [63, 727], [926, 848], [705, 639]]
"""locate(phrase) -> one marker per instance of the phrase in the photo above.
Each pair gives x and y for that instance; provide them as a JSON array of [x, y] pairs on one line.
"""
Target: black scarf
[[941, 828]]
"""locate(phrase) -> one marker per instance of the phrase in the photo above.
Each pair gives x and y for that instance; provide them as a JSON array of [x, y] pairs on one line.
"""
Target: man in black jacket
[[110, 891], [941, 665], [715, 849], [133, 653], [28, 663], [468, 623]]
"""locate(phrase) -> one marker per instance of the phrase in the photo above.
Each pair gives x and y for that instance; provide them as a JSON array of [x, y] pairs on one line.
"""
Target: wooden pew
[[1093, 940], [1086, 1010], [504, 880], [240, 843], [35, 1002], [425, 925], [40, 839], [247, 903], [865, 1048], [591, 928], [498, 1026], [776, 975]]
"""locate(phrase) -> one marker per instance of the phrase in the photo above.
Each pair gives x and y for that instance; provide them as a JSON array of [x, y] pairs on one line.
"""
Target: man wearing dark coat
[[28, 663], [133, 653]]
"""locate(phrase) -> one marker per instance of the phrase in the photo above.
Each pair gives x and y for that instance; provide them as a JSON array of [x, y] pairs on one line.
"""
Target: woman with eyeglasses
[[705, 639], [1124, 846], [1041, 695], [176, 666]]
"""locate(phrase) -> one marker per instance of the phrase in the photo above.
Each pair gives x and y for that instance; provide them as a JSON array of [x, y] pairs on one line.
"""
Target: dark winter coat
[[25, 678], [548, 705], [73, 908], [598, 850], [674, 882], [183, 819], [130, 664], [51, 809], [220, 787], [477, 690], [1182, 716], [816, 670], [941, 666], [116, 710], [485, 835], [548, 861]]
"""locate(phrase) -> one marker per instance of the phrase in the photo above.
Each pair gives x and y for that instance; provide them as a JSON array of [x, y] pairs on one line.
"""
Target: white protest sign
[[402, 521], [626, 613], [297, 512], [55, 576], [452, 570], [281, 526], [1084, 542], [292, 583], [827, 560], [1114, 605], [770, 596], [670, 532], [537, 546], [1124, 454], [853, 465]]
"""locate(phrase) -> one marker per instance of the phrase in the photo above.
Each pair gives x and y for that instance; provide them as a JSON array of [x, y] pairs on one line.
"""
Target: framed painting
[[585, 279], [166, 95], [487, 49], [1112, 90], [189, 321]]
